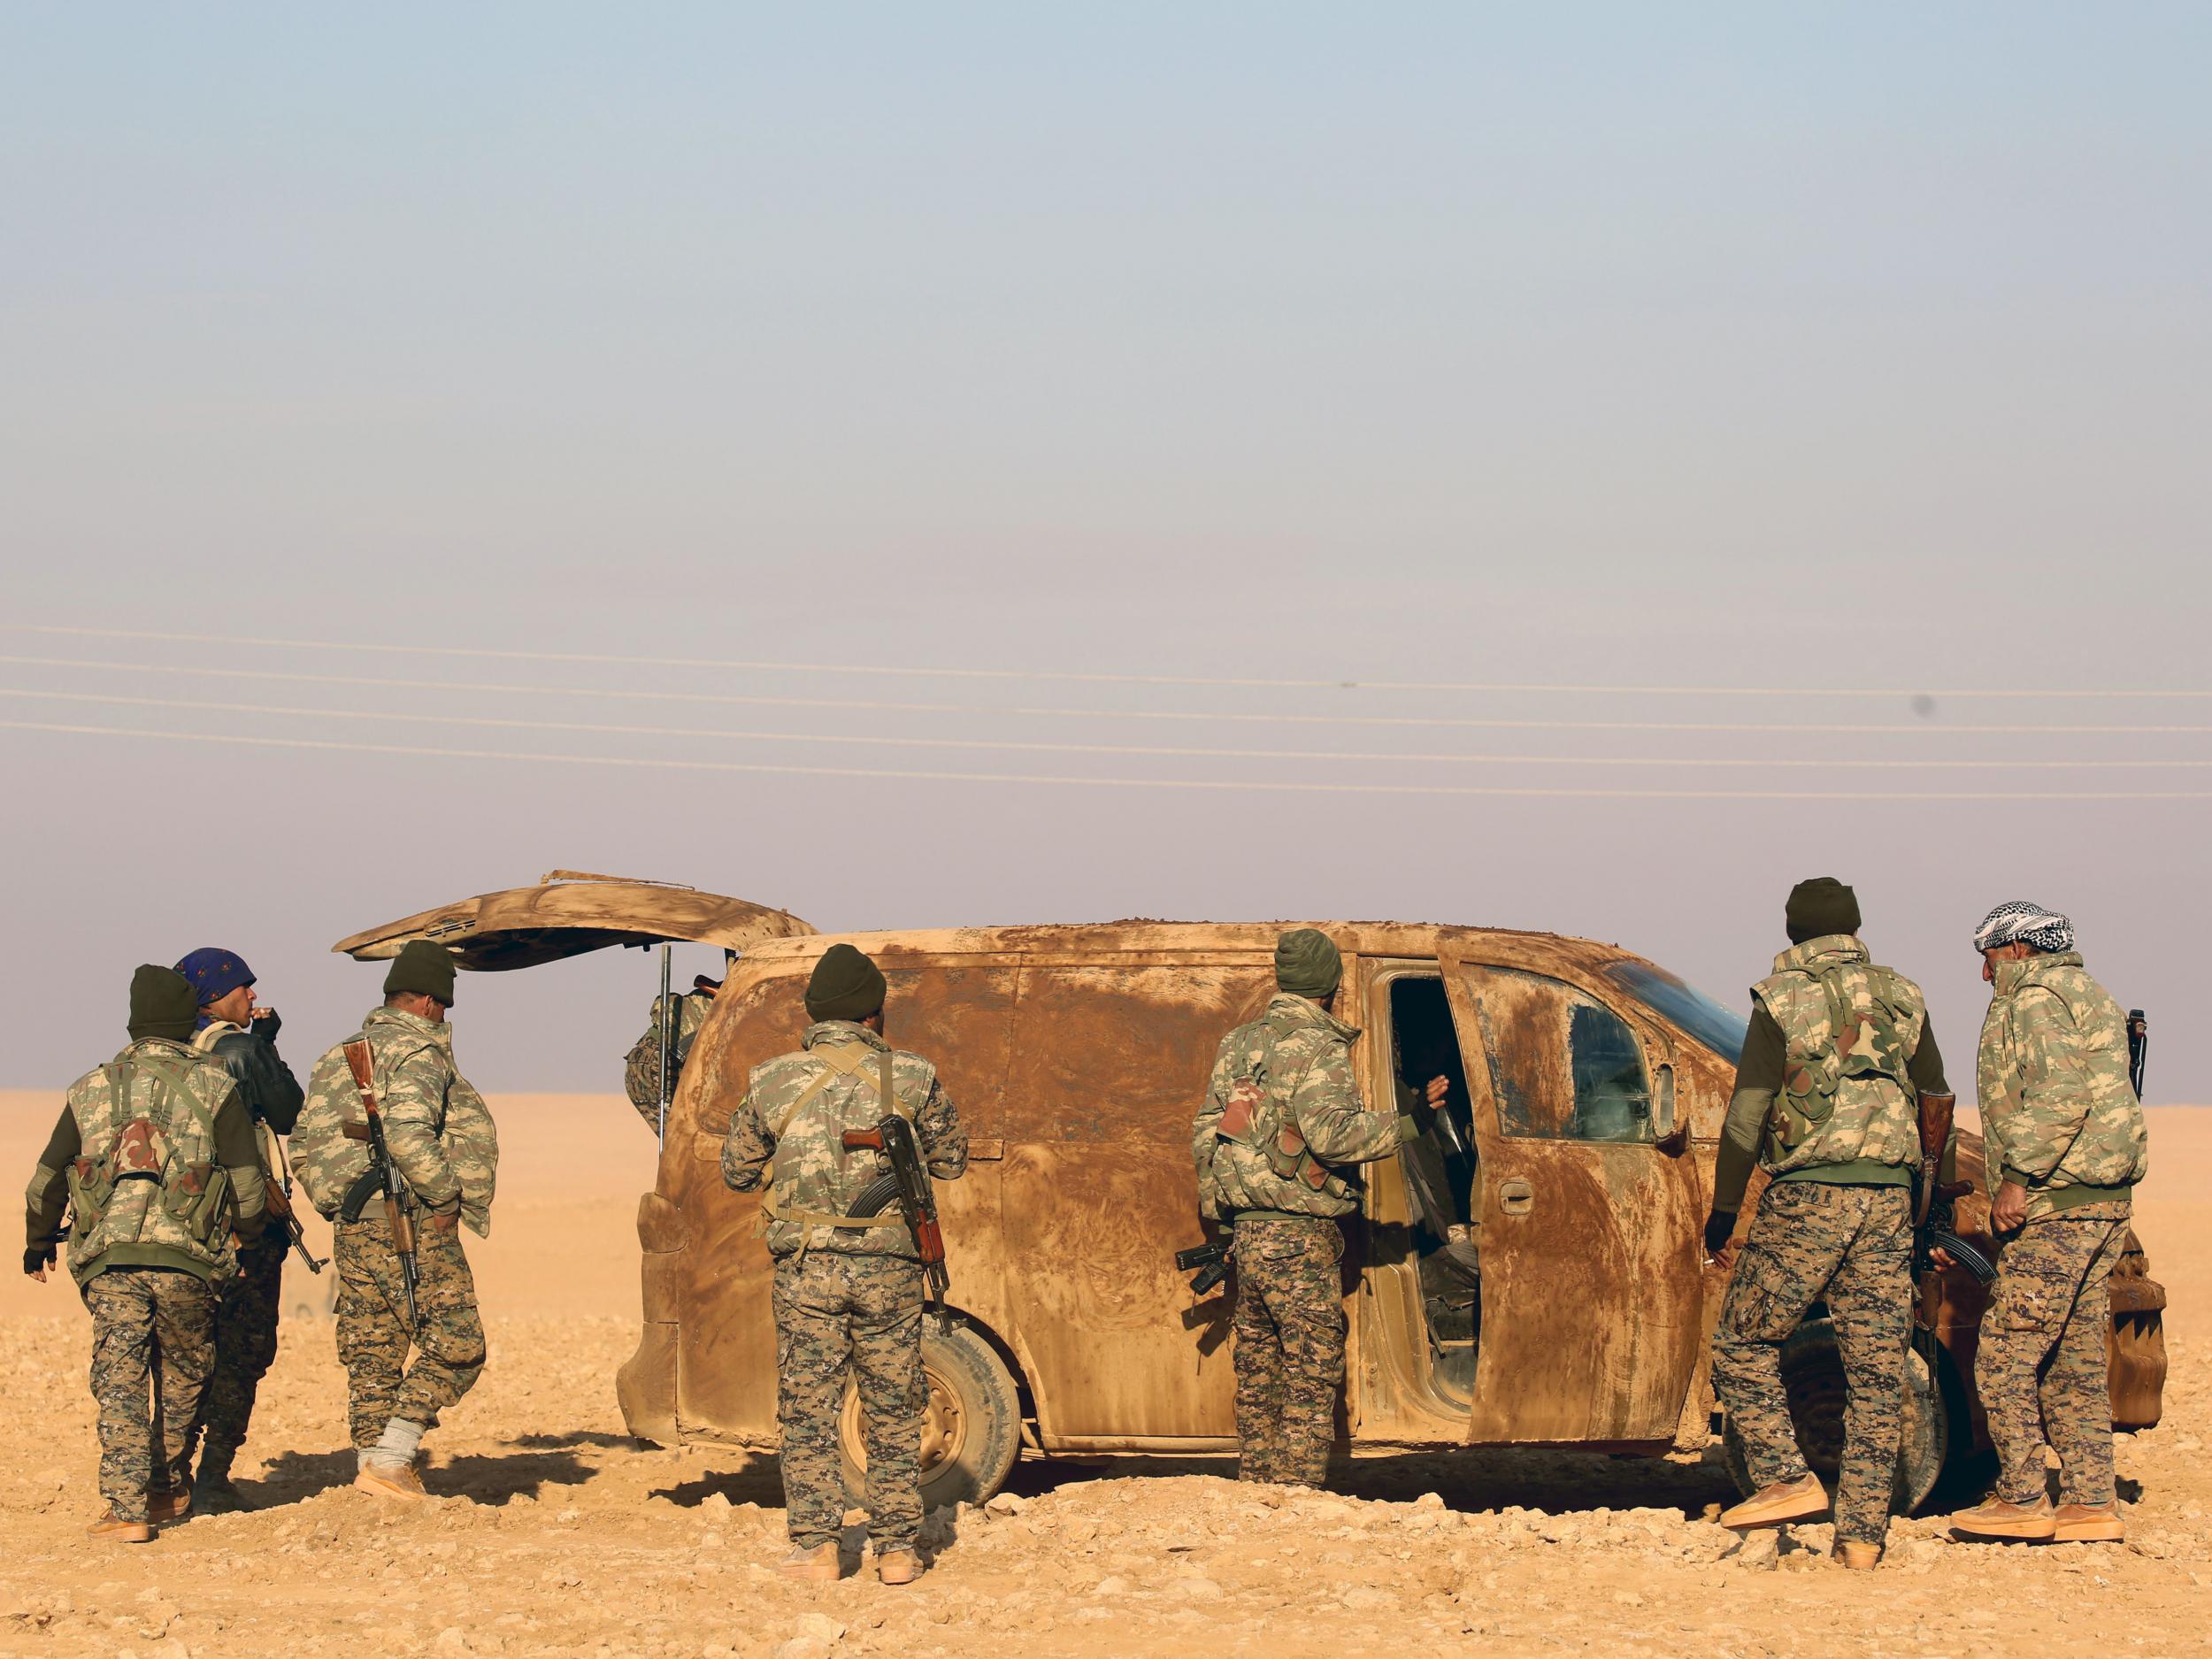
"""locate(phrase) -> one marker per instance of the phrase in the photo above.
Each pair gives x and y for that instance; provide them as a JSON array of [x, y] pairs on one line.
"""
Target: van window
[[1563, 1065]]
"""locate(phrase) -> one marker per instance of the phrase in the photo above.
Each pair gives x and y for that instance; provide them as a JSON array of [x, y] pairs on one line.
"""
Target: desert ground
[[554, 1534]]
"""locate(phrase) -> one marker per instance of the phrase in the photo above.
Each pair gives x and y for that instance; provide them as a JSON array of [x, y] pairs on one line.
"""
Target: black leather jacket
[[266, 1085]]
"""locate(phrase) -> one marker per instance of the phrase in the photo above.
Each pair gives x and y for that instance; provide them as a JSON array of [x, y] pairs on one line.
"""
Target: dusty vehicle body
[[1589, 1086]]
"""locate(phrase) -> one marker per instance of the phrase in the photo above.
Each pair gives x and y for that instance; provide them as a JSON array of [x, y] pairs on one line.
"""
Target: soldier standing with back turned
[[155, 1158], [2066, 1145], [1275, 1142], [242, 1038], [441, 1139], [848, 1289], [1835, 1060]]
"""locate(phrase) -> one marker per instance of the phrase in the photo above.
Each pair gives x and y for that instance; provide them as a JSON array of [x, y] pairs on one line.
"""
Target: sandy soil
[[555, 1535]]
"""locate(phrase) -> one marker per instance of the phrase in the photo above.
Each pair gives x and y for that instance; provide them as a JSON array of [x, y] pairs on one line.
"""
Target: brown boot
[[113, 1525], [162, 1507], [898, 1566], [391, 1480], [1857, 1556], [1993, 1517], [1779, 1505], [2086, 1523], [822, 1564]]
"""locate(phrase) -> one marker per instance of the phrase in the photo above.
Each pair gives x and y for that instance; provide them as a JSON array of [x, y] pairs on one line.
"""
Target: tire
[[1812, 1377], [971, 1425]]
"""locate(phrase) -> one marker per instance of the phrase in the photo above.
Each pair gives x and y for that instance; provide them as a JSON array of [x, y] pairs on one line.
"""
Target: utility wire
[[1068, 677], [875, 706], [1213, 785], [871, 741]]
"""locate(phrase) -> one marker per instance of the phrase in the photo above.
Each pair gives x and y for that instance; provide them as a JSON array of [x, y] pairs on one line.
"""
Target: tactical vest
[[815, 1179], [1256, 1115], [147, 1177], [2081, 1124], [1850, 1029]]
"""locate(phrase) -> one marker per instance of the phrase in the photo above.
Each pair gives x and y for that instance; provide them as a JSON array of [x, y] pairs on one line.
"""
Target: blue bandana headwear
[[214, 974]]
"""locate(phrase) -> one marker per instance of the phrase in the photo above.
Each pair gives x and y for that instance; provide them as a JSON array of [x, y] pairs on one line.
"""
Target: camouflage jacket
[[2059, 1113], [1851, 1028], [156, 1158], [439, 1130], [642, 1066], [795, 1110], [1282, 1119]]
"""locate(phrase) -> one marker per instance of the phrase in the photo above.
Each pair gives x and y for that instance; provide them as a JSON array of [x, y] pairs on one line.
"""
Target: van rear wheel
[[971, 1422], [1812, 1378]]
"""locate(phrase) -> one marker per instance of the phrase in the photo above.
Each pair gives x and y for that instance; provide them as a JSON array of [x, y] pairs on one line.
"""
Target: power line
[[1212, 785], [1245, 717], [1151, 750], [1062, 676]]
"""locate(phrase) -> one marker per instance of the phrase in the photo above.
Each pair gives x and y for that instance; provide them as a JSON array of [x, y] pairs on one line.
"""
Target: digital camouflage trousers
[[839, 1316], [2041, 1366], [372, 1330], [1289, 1354], [153, 1338], [245, 1348], [1850, 1247]]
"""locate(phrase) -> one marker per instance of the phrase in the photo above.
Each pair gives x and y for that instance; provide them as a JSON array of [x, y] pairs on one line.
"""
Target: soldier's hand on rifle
[[2008, 1209], [1941, 1257]]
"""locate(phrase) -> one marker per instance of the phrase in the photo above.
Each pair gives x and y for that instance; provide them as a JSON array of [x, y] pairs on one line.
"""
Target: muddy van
[[1587, 1092]]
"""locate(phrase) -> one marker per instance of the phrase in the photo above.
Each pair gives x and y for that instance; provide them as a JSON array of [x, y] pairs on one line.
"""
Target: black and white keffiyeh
[[2046, 930]]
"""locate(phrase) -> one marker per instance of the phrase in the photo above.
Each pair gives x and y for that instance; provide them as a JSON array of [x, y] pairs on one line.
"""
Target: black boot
[[211, 1491]]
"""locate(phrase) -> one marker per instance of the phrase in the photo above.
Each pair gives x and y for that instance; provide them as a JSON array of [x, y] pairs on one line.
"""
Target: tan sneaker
[[1993, 1517], [898, 1566], [1779, 1505], [1859, 1557], [113, 1525], [819, 1565], [164, 1506], [391, 1480], [2080, 1524]]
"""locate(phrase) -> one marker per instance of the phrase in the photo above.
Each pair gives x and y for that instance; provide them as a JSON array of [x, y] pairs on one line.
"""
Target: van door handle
[[1515, 1197]]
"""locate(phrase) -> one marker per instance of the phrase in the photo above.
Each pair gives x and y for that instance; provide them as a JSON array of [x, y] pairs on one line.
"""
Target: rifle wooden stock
[[1937, 1113]]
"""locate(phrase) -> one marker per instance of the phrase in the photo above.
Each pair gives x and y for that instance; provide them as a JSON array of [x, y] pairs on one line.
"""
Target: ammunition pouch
[[200, 1197]]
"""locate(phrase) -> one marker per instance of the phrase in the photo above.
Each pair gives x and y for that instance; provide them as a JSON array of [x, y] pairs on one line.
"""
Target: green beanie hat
[[422, 968], [1819, 907], [1307, 962], [845, 984], [163, 1004]]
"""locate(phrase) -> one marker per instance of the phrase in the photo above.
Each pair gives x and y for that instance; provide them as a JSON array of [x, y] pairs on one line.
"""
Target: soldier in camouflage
[[155, 1160], [241, 1037], [1277, 1144], [642, 1066], [849, 1290], [443, 1140], [2067, 1144], [1836, 1057]]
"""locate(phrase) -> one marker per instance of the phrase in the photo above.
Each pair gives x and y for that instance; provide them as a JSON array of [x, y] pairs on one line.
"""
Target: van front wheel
[[1812, 1377], [971, 1422]]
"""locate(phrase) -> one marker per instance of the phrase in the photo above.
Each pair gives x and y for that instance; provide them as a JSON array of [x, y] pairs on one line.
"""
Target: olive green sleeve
[[1926, 1068], [238, 1150], [1758, 1080], [49, 1194]]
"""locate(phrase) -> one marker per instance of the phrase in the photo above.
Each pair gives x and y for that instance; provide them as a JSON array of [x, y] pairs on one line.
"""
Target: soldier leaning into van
[[446, 1148], [154, 1157], [243, 1039], [1837, 1054], [849, 1290], [2067, 1143], [1275, 1142], [642, 1066]]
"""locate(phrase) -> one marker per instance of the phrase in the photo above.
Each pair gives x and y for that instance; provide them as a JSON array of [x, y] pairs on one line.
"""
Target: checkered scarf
[[2046, 930]]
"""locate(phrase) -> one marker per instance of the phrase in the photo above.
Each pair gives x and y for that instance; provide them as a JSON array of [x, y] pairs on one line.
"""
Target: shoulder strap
[[834, 1066]]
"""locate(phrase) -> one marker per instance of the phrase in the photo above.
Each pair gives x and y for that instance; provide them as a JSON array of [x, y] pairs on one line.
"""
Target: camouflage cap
[[844, 985], [1307, 962], [422, 968]]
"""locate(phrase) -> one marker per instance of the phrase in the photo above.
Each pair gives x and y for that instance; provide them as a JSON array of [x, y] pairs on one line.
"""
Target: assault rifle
[[908, 1185], [280, 1203], [382, 1177], [1210, 1262], [2138, 1048]]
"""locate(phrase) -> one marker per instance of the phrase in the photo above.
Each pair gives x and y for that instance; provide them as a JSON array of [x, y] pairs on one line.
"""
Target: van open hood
[[571, 912]]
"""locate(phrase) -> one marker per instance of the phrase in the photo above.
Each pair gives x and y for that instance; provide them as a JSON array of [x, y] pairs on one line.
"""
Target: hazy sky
[[1802, 349]]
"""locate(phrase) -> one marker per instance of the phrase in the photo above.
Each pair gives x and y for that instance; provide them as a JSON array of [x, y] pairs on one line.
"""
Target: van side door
[[1590, 1308]]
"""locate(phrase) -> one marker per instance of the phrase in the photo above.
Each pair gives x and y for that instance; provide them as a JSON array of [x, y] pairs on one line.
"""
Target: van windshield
[[1696, 1013]]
